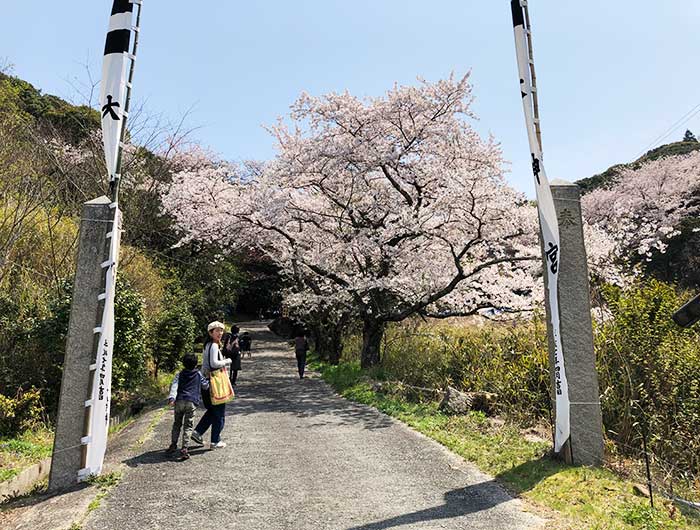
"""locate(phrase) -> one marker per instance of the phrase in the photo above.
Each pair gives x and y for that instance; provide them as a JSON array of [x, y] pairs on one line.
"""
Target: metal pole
[[648, 466]]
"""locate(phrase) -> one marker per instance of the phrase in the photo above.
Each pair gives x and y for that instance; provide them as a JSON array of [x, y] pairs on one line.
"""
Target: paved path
[[300, 457]]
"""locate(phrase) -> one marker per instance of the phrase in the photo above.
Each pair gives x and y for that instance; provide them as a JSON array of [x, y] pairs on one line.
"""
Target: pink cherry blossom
[[641, 210], [392, 206]]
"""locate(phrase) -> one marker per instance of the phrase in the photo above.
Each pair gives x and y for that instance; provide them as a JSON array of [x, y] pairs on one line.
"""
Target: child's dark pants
[[184, 417]]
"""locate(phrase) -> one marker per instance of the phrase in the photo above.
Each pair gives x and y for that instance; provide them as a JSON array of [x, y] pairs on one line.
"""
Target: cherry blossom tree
[[642, 210], [201, 193], [324, 310], [395, 202]]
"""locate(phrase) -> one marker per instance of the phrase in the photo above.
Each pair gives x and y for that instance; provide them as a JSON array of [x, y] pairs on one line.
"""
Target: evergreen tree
[[689, 137]]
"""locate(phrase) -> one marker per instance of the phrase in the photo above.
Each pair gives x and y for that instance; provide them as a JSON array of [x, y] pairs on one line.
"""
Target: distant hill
[[73, 122], [609, 175]]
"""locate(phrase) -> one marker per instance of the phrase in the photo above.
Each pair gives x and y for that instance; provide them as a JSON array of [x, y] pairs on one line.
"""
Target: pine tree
[[689, 137]]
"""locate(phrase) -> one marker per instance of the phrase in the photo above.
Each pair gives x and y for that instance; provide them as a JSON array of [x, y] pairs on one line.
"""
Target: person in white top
[[212, 359]]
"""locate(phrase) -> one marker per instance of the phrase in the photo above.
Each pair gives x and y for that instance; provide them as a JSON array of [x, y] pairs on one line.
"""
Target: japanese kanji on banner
[[548, 222], [100, 400], [114, 93], [113, 86]]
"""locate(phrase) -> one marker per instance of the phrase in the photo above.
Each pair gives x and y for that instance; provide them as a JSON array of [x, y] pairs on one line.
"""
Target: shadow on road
[[269, 384], [527, 475], [159, 456], [33, 498], [458, 502]]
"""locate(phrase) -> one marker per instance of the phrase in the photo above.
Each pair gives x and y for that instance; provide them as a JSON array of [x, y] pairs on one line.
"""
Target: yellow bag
[[220, 387]]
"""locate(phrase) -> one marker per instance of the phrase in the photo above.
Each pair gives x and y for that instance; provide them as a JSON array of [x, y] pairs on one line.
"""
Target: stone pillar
[[586, 443], [85, 315]]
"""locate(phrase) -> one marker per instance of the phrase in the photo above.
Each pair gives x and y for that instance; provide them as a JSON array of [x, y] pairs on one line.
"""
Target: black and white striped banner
[[548, 219], [114, 95], [113, 89]]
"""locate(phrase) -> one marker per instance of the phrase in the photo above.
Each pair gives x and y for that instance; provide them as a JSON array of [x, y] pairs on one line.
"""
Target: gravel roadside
[[300, 457]]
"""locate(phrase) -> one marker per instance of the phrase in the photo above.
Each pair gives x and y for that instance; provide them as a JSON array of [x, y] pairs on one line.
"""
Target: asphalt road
[[300, 457]]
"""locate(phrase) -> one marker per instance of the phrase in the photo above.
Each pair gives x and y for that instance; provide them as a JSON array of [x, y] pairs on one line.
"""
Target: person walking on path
[[301, 346], [214, 417], [245, 341], [185, 392], [232, 350]]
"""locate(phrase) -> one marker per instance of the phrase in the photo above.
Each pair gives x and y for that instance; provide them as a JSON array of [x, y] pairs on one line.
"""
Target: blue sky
[[612, 75]]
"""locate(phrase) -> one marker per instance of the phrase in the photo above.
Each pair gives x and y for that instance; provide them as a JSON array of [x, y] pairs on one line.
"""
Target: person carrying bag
[[213, 367]]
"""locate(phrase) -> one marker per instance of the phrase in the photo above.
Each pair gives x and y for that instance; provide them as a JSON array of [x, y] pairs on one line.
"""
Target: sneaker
[[171, 449], [218, 445], [197, 438], [184, 453]]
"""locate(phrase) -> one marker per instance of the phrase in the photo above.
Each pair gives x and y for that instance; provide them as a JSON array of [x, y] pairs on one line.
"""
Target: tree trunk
[[320, 346], [328, 337], [372, 333], [335, 345]]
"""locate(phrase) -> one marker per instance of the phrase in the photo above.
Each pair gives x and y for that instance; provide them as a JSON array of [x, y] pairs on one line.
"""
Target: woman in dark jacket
[[232, 350]]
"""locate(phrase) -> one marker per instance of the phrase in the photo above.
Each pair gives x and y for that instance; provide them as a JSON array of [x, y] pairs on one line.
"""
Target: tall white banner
[[113, 88], [99, 403], [548, 222], [113, 106]]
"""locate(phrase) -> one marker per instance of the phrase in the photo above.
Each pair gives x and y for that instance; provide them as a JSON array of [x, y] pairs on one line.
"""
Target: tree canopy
[[390, 206]]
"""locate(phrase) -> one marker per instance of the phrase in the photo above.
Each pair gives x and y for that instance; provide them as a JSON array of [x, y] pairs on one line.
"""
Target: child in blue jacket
[[185, 394]]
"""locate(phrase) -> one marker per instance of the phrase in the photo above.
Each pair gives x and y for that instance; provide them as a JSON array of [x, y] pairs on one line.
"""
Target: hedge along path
[[301, 457]]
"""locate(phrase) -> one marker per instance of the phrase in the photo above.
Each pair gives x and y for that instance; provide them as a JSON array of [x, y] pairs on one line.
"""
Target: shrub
[[509, 359], [32, 345], [39, 253], [34, 300], [35, 358], [20, 413], [44, 347], [212, 281], [649, 370], [129, 358], [173, 335], [143, 275]]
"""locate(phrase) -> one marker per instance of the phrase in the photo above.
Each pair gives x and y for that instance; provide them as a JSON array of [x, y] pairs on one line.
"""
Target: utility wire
[[682, 120]]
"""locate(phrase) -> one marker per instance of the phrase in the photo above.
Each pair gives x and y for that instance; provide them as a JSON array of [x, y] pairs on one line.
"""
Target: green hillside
[[73, 122]]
